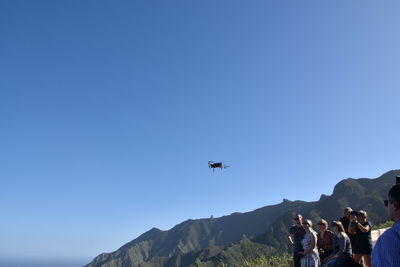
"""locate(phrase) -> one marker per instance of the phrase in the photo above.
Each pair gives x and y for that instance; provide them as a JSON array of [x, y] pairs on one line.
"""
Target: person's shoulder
[[387, 248], [345, 237], [396, 227], [315, 234], [390, 236]]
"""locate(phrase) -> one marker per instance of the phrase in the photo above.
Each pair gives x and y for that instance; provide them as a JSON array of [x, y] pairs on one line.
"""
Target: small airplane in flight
[[213, 165]]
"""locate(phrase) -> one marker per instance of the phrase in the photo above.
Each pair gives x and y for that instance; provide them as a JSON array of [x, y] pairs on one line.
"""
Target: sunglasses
[[296, 219], [305, 224], [386, 202]]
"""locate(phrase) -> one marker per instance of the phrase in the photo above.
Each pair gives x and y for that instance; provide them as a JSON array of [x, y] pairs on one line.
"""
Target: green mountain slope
[[209, 241]]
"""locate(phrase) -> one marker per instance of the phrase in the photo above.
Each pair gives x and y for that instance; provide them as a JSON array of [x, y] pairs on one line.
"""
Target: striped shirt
[[386, 252]]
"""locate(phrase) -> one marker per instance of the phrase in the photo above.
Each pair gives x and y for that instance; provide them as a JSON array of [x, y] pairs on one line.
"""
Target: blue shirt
[[386, 252], [341, 245]]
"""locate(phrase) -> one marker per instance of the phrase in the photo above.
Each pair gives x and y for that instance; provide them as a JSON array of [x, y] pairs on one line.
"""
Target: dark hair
[[362, 213], [394, 194], [354, 212]]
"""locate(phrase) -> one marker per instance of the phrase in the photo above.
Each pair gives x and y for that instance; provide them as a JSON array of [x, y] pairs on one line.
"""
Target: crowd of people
[[348, 241]]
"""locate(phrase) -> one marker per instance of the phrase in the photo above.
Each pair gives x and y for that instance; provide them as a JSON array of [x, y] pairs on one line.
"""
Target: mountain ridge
[[266, 225]]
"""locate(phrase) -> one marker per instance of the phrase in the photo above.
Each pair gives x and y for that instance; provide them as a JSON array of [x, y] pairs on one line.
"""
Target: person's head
[[362, 216], [337, 227], [307, 224], [347, 211], [322, 225], [393, 203], [298, 219]]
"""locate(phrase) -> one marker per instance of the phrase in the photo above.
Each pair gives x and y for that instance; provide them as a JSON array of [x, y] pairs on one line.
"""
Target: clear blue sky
[[110, 110]]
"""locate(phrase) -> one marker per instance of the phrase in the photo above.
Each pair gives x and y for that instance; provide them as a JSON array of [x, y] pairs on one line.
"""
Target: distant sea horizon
[[42, 262]]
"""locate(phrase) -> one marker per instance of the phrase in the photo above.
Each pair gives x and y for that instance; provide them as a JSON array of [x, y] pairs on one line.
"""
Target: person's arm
[[364, 229], [351, 229], [312, 246], [334, 254], [342, 244], [289, 238], [313, 243]]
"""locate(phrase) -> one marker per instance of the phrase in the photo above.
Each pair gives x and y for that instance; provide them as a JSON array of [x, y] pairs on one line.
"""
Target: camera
[[354, 213]]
